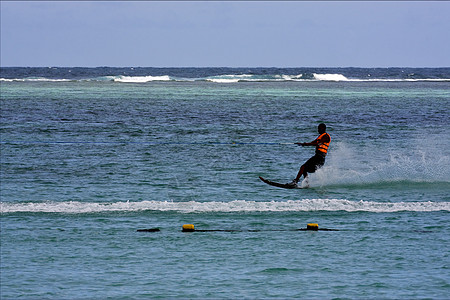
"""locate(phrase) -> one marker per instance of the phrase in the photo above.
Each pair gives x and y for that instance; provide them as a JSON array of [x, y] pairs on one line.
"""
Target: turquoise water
[[87, 161]]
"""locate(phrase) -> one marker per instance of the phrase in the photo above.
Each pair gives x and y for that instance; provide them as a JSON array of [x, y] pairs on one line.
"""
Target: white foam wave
[[292, 77], [223, 80], [253, 78], [141, 79], [74, 207], [230, 79], [330, 77], [38, 79]]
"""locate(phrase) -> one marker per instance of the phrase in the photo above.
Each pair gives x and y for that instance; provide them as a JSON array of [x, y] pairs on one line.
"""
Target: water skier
[[322, 142]]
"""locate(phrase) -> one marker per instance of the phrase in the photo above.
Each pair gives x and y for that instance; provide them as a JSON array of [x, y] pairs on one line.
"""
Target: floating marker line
[[240, 230], [309, 227], [258, 230], [191, 228]]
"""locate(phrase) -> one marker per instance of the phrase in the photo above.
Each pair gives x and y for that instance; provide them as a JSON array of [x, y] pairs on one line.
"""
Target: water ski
[[280, 185]]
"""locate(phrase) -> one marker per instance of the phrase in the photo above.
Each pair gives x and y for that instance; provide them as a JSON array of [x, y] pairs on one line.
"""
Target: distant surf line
[[228, 78]]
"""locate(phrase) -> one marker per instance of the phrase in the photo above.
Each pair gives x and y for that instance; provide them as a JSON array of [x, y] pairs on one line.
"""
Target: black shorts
[[314, 163]]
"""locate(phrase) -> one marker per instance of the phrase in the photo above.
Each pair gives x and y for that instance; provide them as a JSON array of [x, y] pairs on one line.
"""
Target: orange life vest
[[322, 147]]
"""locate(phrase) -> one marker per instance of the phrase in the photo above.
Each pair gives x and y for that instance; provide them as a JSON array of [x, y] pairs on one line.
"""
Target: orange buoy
[[188, 228], [312, 226]]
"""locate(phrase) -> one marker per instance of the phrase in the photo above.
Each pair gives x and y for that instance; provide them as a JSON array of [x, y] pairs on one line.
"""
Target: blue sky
[[233, 34]]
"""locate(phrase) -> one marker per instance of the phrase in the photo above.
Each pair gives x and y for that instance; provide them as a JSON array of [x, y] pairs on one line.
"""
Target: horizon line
[[230, 67]]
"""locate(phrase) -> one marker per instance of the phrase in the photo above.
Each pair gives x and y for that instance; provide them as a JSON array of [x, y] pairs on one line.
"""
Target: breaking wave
[[75, 207], [37, 79], [140, 79], [330, 77], [231, 78]]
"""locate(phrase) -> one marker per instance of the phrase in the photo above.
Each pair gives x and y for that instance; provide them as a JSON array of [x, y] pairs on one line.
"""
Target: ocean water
[[91, 155]]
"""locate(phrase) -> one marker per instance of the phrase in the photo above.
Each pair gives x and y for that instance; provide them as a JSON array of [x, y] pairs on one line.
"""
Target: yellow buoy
[[312, 226], [188, 228]]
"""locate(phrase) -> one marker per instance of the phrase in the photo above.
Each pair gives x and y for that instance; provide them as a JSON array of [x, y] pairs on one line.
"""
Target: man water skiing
[[322, 142]]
